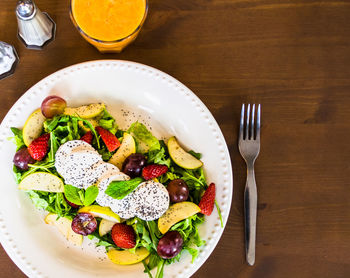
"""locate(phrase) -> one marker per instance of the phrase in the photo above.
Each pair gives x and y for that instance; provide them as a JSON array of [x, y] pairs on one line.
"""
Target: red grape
[[178, 191], [22, 158], [170, 245], [84, 224], [52, 106], [133, 165]]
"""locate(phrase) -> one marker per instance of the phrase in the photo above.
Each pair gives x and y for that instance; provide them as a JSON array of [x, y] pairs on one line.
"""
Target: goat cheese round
[[151, 200]]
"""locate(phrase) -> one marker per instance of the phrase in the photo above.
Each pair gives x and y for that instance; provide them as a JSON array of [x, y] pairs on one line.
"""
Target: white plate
[[131, 91]]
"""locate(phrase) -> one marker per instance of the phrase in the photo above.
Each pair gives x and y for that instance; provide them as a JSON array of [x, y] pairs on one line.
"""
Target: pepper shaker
[[8, 59], [35, 28]]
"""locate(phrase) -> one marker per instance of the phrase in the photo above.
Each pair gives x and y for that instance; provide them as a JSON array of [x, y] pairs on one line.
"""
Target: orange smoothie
[[110, 25]]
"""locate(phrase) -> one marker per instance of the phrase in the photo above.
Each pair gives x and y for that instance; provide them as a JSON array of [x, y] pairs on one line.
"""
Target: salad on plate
[[139, 197]]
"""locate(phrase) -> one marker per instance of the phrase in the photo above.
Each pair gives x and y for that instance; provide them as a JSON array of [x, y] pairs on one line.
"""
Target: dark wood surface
[[291, 56]]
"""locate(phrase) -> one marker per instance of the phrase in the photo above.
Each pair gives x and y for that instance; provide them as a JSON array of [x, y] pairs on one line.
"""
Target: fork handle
[[250, 207]]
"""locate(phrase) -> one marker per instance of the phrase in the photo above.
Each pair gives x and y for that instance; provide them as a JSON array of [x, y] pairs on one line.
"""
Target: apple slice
[[33, 126], [181, 157], [125, 257], [105, 227], [86, 111], [176, 213], [102, 212], [42, 181], [64, 225], [127, 148]]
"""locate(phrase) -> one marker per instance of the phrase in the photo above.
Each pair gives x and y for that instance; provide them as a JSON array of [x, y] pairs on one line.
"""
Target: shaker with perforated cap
[[35, 28], [8, 59]]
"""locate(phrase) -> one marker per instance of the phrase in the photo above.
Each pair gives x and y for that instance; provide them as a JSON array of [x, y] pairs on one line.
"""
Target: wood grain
[[291, 56]]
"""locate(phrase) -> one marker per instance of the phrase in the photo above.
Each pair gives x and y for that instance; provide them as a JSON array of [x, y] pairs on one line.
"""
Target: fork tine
[[258, 123], [247, 124], [252, 124], [241, 123]]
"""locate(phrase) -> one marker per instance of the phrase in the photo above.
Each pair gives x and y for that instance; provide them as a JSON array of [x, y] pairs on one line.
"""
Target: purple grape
[[133, 165], [84, 224], [22, 158], [170, 245], [52, 106], [178, 191]]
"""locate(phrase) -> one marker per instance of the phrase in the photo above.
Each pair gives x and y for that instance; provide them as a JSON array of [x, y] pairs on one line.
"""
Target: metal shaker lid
[[25, 9]]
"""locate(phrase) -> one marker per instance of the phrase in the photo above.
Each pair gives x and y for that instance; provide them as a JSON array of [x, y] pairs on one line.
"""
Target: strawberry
[[207, 202], [154, 171], [123, 236], [110, 140], [87, 137], [39, 147]]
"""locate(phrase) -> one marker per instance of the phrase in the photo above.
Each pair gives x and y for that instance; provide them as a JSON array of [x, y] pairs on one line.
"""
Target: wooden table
[[291, 56]]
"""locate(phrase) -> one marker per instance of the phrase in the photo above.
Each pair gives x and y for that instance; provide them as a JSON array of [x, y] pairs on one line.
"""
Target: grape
[[84, 224], [133, 165], [178, 191], [170, 245], [22, 158], [52, 106]]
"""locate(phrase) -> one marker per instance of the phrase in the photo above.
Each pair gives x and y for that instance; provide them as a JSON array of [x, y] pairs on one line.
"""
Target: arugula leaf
[[17, 173], [90, 195], [219, 212], [159, 156], [17, 138], [108, 122], [119, 189], [144, 138], [196, 155], [72, 194], [53, 147]]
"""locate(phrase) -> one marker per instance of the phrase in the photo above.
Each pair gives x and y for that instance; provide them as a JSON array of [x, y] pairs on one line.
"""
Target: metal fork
[[249, 147]]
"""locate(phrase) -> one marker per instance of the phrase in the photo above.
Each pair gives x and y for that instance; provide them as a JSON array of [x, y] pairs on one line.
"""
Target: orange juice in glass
[[109, 25]]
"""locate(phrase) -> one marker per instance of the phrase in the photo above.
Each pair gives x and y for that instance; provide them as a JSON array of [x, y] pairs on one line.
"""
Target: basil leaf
[[90, 195], [72, 194], [119, 189]]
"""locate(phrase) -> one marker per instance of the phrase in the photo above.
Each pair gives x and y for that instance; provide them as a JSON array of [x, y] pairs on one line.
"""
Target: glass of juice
[[109, 25]]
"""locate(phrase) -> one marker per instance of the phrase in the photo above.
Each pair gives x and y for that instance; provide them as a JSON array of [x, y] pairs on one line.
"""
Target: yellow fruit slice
[[181, 157], [103, 212], [86, 111], [105, 227], [127, 148], [176, 213], [125, 257], [64, 225], [42, 181], [33, 126]]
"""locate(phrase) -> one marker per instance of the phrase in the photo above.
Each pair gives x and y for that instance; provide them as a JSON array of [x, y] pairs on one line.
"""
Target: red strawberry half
[[87, 137], [39, 147], [110, 140], [154, 171], [207, 202], [123, 236]]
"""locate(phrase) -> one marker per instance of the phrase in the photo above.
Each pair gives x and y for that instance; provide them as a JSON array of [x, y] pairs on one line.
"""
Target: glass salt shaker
[[8, 59], [35, 28]]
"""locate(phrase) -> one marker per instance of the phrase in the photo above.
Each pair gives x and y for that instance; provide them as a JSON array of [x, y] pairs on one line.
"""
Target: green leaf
[[18, 138], [219, 212], [17, 173], [72, 194], [119, 189], [90, 195], [144, 138], [159, 156], [39, 202], [196, 155]]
